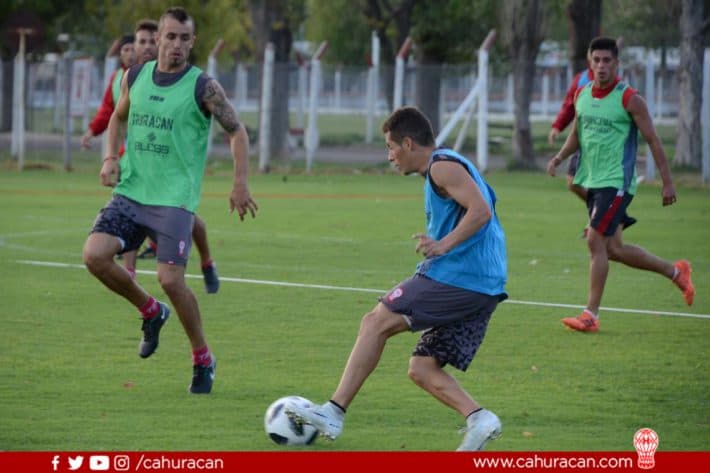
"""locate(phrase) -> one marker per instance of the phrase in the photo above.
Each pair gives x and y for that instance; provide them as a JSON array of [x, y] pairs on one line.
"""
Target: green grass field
[[72, 379]]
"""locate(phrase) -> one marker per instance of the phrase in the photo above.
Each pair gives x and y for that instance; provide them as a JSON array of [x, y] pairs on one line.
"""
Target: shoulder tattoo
[[216, 101]]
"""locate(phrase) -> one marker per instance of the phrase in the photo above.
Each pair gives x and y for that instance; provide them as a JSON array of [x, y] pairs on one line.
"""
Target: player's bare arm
[[216, 102], [116, 133], [571, 145], [639, 112], [453, 181]]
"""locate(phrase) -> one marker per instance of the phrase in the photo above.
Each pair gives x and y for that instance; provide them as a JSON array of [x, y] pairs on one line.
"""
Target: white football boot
[[328, 419], [480, 428]]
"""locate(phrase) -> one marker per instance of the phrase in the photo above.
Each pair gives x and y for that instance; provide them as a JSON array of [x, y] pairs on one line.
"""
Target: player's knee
[[368, 323], [416, 372], [375, 323], [94, 259], [170, 283], [422, 371], [90, 258], [595, 240], [615, 253]]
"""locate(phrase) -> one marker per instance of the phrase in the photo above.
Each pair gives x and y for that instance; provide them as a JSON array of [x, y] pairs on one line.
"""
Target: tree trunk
[[380, 15], [690, 76], [387, 55], [523, 71], [270, 25], [526, 20], [428, 88], [8, 72], [584, 25]]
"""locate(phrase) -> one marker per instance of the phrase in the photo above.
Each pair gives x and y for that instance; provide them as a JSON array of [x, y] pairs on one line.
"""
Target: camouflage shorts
[[454, 320]]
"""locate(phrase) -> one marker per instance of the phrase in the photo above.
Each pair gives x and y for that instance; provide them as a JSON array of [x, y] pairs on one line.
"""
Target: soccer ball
[[285, 431]]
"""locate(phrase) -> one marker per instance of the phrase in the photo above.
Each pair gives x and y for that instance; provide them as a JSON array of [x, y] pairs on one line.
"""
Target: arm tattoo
[[216, 102]]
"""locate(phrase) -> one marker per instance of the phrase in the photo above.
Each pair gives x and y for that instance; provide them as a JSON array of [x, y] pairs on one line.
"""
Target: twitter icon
[[75, 463]]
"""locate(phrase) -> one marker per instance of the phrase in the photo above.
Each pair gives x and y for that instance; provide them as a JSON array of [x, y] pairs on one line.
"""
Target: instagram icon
[[121, 462]]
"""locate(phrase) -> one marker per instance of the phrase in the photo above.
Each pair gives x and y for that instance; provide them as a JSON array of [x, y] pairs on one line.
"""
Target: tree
[[326, 21], [447, 31], [692, 23], [214, 19], [273, 22], [380, 14], [390, 20], [523, 24], [585, 18]]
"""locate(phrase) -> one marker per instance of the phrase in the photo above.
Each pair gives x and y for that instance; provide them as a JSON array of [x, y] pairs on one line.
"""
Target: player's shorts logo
[[395, 294]]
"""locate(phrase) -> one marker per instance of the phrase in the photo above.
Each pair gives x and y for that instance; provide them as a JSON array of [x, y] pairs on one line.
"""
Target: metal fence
[[343, 91]]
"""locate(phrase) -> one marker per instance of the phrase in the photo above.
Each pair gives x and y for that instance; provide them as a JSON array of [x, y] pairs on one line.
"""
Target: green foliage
[[73, 380], [214, 19], [653, 23], [55, 16], [452, 30], [327, 20]]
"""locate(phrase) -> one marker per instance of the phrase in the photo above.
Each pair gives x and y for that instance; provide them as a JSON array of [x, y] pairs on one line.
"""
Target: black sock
[[473, 412], [338, 406]]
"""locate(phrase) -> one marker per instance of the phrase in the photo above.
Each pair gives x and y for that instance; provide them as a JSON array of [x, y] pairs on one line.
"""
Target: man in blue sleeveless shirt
[[452, 294]]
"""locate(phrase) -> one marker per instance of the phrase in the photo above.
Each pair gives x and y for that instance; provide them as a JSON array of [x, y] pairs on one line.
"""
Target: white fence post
[[399, 73], [265, 109], [480, 92], [650, 100], [482, 133], [705, 117], [240, 86], [338, 102], [458, 113], [110, 65], [659, 98], [18, 102], [212, 72], [373, 74], [302, 90], [58, 93], [509, 95], [312, 138], [545, 94]]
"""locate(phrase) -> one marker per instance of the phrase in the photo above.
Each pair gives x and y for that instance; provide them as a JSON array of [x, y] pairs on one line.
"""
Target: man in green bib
[[608, 116], [165, 107]]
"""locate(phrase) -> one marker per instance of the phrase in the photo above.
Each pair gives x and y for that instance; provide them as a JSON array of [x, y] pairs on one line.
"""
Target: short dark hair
[[604, 43], [126, 39], [179, 14], [411, 122], [147, 24]]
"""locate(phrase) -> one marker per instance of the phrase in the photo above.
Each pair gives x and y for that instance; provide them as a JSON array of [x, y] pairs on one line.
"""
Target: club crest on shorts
[[395, 294], [181, 247]]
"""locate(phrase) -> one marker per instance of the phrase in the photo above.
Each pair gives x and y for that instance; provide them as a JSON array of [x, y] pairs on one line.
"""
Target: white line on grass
[[377, 291]]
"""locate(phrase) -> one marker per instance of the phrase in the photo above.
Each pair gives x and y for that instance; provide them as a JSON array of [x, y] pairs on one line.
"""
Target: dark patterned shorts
[[454, 320], [131, 222]]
